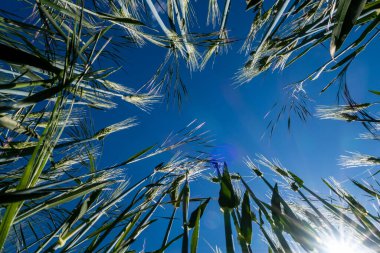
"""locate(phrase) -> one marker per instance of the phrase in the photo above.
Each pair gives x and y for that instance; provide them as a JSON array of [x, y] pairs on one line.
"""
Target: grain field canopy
[[61, 62], [51, 75], [51, 133], [292, 28], [304, 220], [286, 32]]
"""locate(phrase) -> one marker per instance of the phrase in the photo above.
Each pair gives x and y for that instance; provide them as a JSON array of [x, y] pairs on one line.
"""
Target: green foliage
[[52, 75], [228, 198]]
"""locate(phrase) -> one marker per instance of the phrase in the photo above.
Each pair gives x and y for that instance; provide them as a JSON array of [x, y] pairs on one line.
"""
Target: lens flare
[[341, 246], [343, 242]]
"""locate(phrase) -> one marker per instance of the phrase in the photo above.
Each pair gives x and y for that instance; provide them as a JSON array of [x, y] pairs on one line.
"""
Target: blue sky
[[235, 117]]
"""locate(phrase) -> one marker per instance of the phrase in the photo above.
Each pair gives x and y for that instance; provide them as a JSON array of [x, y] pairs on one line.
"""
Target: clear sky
[[235, 116]]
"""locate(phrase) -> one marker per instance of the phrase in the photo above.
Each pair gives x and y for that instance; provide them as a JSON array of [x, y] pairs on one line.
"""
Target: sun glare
[[344, 243], [341, 246]]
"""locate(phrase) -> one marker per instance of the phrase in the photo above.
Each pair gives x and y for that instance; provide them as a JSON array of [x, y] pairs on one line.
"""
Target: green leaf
[[120, 19], [375, 92], [228, 197], [185, 209], [173, 191], [252, 3], [20, 57], [246, 219], [366, 189], [347, 13], [276, 207], [194, 214], [195, 234], [161, 250], [12, 197]]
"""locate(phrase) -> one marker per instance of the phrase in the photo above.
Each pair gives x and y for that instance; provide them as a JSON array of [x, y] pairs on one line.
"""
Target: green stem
[[228, 231], [185, 209], [243, 244]]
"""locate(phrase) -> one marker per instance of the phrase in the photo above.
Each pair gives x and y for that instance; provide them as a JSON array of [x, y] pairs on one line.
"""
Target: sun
[[341, 246], [344, 242]]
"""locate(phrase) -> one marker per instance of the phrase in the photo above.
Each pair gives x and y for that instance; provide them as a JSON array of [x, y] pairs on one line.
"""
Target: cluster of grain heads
[[213, 16], [125, 212], [181, 172], [54, 69], [125, 124], [319, 223], [302, 221], [52, 73], [358, 160], [289, 30], [175, 21], [343, 112], [142, 101]]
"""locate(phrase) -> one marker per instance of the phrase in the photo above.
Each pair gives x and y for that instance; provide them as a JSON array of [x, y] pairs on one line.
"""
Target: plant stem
[[228, 231]]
